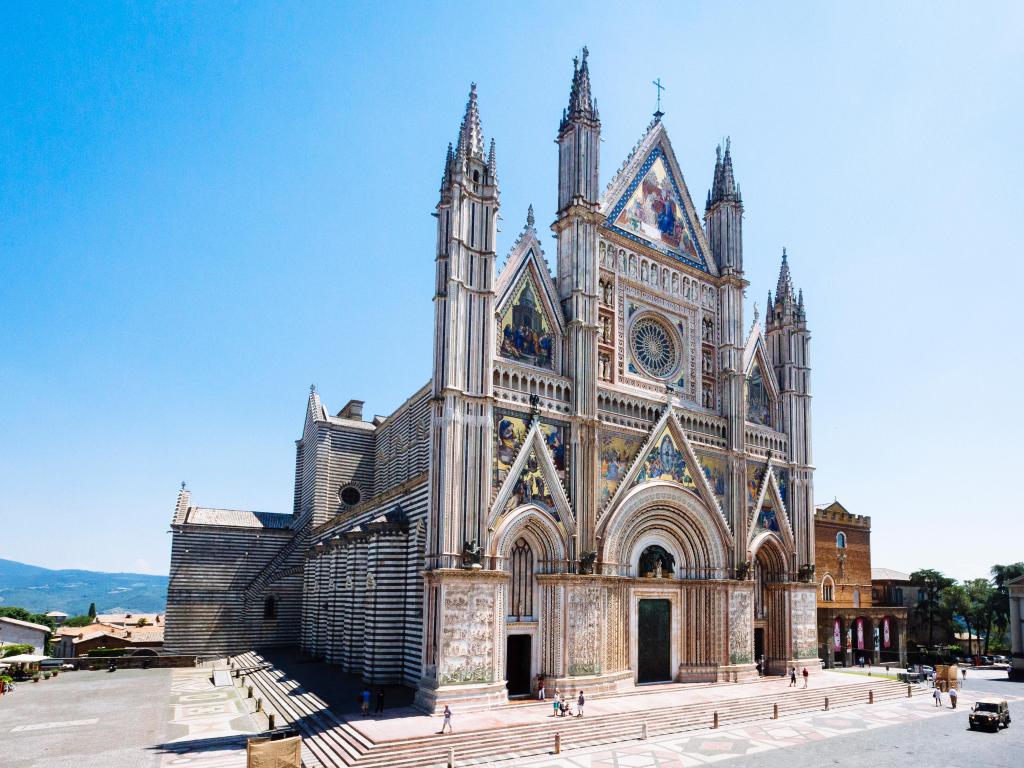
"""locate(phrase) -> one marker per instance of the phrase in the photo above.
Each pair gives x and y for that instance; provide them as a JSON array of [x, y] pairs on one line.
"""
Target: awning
[[24, 658]]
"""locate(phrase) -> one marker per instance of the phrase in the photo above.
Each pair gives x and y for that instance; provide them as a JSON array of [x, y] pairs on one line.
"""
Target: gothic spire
[[449, 163], [784, 289], [582, 105], [471, 135], [724, 187], [492, 164], [529, 217], [801, 313]]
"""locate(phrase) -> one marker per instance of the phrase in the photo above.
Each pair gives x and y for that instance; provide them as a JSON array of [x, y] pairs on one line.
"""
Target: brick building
[[851, 625]]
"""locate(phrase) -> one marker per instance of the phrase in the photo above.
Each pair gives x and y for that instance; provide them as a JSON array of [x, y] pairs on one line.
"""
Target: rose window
[[654, 348]]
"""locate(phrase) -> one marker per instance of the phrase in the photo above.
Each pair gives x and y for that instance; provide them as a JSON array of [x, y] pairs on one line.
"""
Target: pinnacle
[[724, 186], [784, 289], [582, 106], [471, 135], [529, 217]]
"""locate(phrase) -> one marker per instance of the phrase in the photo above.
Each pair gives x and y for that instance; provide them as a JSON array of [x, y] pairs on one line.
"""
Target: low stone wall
[[128, 662]]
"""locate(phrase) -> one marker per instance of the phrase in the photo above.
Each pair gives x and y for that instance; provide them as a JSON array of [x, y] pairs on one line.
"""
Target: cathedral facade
[[606, 481]]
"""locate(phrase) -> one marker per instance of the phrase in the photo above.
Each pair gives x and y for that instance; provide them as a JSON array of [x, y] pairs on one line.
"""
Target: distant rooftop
[[888, 574], [21, 623], [237, 518]]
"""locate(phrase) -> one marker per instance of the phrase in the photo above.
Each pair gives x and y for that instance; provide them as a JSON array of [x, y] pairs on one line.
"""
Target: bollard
[[451, 757], [643, 731], [826, 703], [270, 721], [714, 722], [908, 692], [775, 711], [558, 743], [259, 705], [250, 693], [871, 697]]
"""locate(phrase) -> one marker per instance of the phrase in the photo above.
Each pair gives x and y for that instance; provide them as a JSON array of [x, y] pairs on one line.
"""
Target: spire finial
[[312, 389], [581, 104], [784, 288], [657, 112], [183, 484], [471, 136], [529, 216]]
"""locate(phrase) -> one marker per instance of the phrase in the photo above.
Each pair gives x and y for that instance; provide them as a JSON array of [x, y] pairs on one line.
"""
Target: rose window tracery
[[654, 348]]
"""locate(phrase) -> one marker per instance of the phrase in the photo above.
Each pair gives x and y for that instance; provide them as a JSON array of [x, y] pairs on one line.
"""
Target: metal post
[[270, 721], [250, 693], [775, 711], [451, 757], [908, 691], [643, 731], [558, 743], [826, 703], [714, 723], [259, 705], [871, 697]]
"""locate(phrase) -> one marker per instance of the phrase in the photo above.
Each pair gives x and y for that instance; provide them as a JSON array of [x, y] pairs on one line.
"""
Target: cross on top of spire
[[658, 114]]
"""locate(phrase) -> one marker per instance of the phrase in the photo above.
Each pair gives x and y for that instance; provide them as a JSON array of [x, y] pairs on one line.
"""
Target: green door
[[654, 641]]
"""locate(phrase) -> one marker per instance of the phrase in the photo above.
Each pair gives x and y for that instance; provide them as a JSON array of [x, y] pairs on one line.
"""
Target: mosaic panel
[[525, 333], [617, 453], [717, 472], [665, 462]]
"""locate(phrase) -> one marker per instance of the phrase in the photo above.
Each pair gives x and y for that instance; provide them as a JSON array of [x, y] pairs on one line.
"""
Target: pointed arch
[[535, 523]]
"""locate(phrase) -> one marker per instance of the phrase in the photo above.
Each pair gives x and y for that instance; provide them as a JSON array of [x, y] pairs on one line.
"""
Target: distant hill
[[40, 590]]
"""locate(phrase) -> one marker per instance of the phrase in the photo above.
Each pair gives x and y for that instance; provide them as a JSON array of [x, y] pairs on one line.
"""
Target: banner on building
[[860, 634], [837, 636], [885, 631]]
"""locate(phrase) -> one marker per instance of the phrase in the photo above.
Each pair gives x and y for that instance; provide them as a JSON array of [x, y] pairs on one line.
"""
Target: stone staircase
[[330, 742]]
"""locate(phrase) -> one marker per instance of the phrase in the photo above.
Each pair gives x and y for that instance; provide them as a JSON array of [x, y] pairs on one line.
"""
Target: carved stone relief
[[467, 639], [584, 630], [805, 615], [740, 622]]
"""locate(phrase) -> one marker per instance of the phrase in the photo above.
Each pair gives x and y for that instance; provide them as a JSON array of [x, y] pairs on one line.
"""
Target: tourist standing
[[579, 705], [792, 677], [952, 697], [365, 696], [380, 701], [447, 719], [555, 702], [540, 687], [806, 674]]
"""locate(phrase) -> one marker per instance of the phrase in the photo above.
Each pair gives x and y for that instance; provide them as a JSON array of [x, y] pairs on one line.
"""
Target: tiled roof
[[27, 624], [888, 574], [237, 518]]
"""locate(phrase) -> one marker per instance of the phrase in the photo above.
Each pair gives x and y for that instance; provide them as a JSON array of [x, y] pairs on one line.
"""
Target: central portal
[[654, 641], [517, 669]]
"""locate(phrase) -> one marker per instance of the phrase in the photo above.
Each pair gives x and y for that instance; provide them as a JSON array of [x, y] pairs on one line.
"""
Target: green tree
[[929, 608], [92, 610], [79, 621], [16, 649], [1001, 576]]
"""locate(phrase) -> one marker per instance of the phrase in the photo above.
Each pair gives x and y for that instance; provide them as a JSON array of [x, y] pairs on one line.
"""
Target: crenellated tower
[[461, 447], [723, 226], [579, 153], [789, 348]]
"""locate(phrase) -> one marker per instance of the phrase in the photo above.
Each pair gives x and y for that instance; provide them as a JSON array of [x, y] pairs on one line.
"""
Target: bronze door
[[654, 641]]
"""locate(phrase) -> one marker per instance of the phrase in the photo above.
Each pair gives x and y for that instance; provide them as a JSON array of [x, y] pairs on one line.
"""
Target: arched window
[[856, 598], [521, 596], [828, 590], [841, 540], [270, 608]]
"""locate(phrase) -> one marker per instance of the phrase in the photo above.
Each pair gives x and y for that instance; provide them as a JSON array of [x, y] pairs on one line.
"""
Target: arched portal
[[771, 646]]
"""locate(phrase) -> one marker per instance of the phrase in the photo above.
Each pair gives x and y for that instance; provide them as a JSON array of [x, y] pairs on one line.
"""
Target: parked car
[[986, 661], [1000, 660], [989, 714]]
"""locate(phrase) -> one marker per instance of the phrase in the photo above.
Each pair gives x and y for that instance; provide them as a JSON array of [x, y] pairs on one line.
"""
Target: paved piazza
[[164, 718], [126, 719]]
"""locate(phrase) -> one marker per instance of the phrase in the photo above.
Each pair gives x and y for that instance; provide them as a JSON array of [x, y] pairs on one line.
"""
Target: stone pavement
[[131, 718], [408, 723], [754, 741]]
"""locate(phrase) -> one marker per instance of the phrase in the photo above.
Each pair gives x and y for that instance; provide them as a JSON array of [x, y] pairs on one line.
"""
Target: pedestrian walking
[[540, 687], [937, 695], [380, 702], [555, 703], [806, 674], [952, 697], [792, 677], [963, 672], [579, 705], [365, 696], [447, 719]]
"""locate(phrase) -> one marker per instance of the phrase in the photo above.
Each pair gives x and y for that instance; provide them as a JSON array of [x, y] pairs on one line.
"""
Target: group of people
[[364, 700], [560, 704], [792, 676], [937, 695]]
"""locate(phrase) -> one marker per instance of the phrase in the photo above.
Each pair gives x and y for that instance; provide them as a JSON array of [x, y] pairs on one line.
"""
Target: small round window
[[350, 495]]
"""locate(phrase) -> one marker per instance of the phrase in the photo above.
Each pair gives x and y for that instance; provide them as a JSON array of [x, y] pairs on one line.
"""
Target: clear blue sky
[[203, 209]]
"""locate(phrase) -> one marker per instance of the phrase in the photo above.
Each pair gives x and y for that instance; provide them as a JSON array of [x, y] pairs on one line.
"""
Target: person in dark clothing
[[380, 702]]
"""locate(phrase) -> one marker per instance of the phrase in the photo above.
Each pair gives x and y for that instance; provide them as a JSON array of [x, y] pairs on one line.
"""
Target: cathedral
[[606, 481]]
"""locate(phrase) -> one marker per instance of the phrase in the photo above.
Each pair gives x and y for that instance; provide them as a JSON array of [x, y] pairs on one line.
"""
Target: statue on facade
[[806, 573], [471, 554], [743, 570], [586, 564]]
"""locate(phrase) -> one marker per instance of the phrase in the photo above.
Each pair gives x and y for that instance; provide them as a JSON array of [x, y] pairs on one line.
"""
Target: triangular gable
[[529, 325], [648, 203], [759, 372], [667, 456], [769, 512], [533, 479]]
